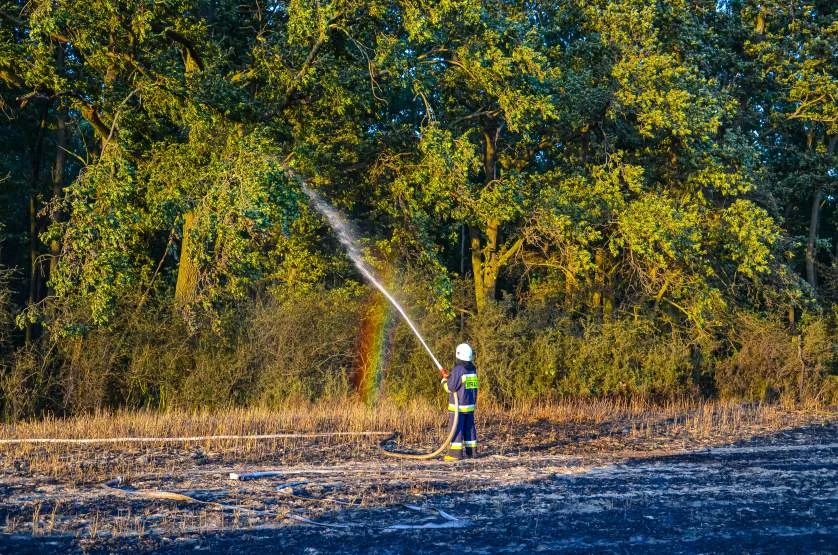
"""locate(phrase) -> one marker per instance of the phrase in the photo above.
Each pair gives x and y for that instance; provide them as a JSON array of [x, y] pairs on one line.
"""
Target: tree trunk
[[814, 219], [811, 275], [599, 278], [187, 274], [759, 25], [58, 182], [569, 289], [58, 166], [484, 257], [603, 296], [477, 268], [487, 255], [462, 269], [490, 261], [32, 209], [813, 222], [486, 262]]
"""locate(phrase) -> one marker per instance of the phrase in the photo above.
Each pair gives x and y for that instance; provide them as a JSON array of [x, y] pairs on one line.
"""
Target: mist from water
[[346, 236]]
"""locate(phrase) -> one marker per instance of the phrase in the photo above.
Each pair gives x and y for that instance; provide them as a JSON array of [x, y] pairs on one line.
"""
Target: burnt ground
[[774, 493]]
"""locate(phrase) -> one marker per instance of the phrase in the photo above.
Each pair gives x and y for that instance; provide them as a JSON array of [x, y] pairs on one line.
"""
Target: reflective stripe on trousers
[[464, 441]]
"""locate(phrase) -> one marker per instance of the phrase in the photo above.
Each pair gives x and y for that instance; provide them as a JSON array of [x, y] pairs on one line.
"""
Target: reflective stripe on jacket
[[463, 382]]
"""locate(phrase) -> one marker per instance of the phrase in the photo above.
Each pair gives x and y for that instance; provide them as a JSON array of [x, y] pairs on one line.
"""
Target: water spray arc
[[344, 233]]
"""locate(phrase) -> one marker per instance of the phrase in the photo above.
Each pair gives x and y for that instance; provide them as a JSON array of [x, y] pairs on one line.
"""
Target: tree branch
[[58, 37], [116, 118], [482, 112], [433, 52], [188, 45], [92, 116], [452, 62], [11, 78], [804, 104], [307, 63], [509, 252]]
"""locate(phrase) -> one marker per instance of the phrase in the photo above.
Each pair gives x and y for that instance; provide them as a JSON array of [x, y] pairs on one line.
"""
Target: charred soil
[[705, 478]]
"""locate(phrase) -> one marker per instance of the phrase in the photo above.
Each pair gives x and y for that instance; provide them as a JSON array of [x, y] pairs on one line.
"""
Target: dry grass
[[56, 488], [619, 428], [569, 426], [416, 422]]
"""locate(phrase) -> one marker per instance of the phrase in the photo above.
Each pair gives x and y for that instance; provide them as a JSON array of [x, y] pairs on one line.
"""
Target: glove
[[444, 373]]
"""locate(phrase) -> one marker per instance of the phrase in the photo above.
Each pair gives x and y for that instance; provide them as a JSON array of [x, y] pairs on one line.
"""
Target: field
[[573, 476]]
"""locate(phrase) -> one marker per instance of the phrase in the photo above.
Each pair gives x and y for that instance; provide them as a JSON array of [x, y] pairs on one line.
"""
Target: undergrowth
[[266, 353]]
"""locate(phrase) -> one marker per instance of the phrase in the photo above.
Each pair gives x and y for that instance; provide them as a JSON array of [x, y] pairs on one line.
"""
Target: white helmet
[[463, 352]]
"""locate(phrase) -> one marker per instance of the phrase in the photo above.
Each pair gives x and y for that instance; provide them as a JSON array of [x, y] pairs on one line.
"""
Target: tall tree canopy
[[611, 159]]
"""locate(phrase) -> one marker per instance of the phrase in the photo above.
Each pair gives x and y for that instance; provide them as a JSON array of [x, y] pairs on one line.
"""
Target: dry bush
[[769, 362], [7, 310], [303, 348], [8, 383], [141, 361], [408, 371], [628, 357], [262, 352], [18, 384], [267, 352], [516, 355], [148, 359], [89, 369], [819, 358], [536, 353]]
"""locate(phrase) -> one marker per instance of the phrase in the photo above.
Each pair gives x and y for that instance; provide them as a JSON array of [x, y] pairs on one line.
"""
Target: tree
[[490, 85], [193, 142], [794, 50]]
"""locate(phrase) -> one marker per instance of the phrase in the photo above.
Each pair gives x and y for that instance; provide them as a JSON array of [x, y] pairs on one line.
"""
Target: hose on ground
[[426, 456], [186, 439]]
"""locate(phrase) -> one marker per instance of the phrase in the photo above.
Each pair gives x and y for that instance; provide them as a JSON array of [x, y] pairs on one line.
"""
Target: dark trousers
[[465, 438]]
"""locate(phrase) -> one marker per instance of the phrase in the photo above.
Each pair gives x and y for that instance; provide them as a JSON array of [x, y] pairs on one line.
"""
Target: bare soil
[[538, 485]]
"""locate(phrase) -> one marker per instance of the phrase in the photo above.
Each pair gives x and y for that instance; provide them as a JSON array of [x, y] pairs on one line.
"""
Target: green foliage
[[627, 357], [104, 256], [534, 354], [607, 197], [750, 232]]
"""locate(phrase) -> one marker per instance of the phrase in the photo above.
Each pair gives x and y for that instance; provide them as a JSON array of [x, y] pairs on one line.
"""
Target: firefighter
[[462, 382]]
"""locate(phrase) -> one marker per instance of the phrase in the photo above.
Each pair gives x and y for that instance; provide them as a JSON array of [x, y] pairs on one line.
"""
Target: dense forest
[[607, 198]]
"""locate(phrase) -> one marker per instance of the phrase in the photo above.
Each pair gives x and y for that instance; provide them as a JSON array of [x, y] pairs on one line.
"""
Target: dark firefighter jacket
[[462, 382]]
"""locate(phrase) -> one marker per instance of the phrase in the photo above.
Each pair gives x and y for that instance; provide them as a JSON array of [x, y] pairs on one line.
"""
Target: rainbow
[[373, 353]]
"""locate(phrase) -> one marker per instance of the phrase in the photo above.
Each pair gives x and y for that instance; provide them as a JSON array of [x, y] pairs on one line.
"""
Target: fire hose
[[440, 449]]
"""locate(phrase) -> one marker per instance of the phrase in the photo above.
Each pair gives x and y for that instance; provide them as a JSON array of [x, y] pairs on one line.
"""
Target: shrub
[[6, 310], [769, 362], [270, 352], [303, 348], [516, 355], [626, 357], [262, 352], [540, 352], [409, 371]]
